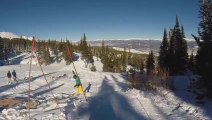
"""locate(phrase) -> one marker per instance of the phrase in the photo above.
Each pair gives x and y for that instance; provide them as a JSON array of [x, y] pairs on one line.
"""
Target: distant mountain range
[[141, 45], [10, 35]]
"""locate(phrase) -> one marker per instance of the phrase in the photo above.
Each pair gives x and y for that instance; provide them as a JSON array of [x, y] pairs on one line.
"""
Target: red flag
[[33, 44], [69, 52]]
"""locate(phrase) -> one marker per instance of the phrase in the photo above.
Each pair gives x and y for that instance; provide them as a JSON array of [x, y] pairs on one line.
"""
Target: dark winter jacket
[[14, 74], [9, 75]]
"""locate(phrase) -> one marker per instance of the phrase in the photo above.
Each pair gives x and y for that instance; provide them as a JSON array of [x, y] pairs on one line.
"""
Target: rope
[[71, 58], [33, 51], [143, 108], [48, 83], [29, 85]]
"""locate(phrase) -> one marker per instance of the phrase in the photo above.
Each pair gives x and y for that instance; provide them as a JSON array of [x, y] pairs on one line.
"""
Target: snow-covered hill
[[140, 45], [134, 51], [27, 37], [109, 97], [8, 35]]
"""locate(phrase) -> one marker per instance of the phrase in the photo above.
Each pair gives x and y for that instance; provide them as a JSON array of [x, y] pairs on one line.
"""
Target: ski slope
[[109, 97]]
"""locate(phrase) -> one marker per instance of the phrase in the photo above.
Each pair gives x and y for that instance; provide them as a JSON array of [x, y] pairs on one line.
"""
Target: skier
[[14, 76], [78, 85], [87, 89], [9, 77]]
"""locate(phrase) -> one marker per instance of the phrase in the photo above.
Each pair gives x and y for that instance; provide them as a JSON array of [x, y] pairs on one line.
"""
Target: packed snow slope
[[108, 95]]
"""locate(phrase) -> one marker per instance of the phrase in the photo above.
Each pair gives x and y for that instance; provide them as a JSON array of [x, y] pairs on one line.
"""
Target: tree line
[[173, 56]]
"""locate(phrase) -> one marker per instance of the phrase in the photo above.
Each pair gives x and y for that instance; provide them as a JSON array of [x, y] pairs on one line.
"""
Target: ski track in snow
[[109, 97]]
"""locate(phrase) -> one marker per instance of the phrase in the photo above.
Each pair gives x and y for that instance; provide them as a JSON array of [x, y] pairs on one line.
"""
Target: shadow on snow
[[122, 85], [106, 105], [180, 91], [46, 91], [7, 87]]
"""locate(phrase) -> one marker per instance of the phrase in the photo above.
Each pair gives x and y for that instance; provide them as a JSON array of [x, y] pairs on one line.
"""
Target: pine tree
[[102, 50], [90, 55], [171, 54], [106, 63], [191, 63], [107, 51], [105, 58], [66, 55], [204, 41], [53, 46], [114, 62], [47, 56], [80, 45], [181, 53], [57, 57], [25, 45], [61, 46], [86, 50], [142, 66], [163, 52], [129, 60], [104, 55], [1, 49], [6, 53], [150, 66], [177, 52], [124, 62], [38, 47], [84, 47], [42, 52], [135, 61]]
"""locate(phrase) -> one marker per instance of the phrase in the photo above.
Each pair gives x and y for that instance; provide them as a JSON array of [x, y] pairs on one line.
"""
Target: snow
[[131, 50], [109, 97], [135, 51], [131, 39], [8, 35], [27, 37]]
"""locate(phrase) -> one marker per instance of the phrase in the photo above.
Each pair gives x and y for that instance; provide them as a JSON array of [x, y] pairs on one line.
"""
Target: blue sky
[[98, 19]]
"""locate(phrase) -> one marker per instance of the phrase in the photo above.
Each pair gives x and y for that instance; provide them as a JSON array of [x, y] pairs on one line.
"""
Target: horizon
[[98, 19], [127, 39]]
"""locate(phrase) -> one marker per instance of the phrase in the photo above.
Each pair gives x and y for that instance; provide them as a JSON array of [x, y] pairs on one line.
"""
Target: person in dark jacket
[[9, 77], [14, 76]]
